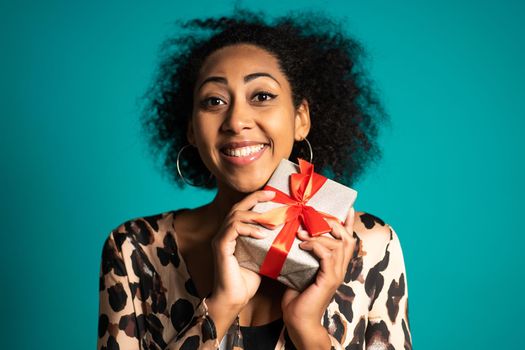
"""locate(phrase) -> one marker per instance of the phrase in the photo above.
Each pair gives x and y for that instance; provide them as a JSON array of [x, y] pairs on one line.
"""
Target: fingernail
[[262, 232], [304, 234], [269, 193]]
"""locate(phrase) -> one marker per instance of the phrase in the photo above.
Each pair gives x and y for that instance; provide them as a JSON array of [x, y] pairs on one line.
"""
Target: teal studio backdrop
[[451, 182]]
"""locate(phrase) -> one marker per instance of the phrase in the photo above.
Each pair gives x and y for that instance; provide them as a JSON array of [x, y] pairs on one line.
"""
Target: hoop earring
[[309, 149], [180, 173]]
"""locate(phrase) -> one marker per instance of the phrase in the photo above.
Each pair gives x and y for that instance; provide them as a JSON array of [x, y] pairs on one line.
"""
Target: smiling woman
[[236, 77], [241, 99]]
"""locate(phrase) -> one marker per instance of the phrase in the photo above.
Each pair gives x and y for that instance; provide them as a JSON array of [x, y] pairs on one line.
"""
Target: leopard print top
[[148, 300]]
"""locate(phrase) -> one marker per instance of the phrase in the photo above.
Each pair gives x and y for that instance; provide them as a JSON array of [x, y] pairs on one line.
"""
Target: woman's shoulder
[[146, 230], [373, 234]]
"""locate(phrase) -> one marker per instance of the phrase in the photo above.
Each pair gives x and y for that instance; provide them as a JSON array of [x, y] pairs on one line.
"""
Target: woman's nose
[[239, 116]]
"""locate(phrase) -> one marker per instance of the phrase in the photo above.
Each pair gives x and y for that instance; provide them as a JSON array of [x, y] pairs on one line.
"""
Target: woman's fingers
[[303, 235], [242, 222], [250, 200], [328, 242], [244, 229], [334, 252], [238, 228], [327, 257], [321, 249], [334, 246], [349, 222], [245, 216], [345, 235], [338, 231]]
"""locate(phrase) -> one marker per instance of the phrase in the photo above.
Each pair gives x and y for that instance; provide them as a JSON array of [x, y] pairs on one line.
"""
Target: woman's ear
[[302, 121]]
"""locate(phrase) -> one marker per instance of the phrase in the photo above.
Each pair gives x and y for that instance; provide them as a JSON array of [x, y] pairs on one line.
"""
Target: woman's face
[[243, 120]]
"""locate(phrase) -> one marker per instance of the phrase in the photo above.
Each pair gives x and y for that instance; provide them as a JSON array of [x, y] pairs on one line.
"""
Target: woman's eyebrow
[[247, 78], [252, 76]]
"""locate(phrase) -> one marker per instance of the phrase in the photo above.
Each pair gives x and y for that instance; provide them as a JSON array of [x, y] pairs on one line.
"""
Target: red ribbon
[[303, 186]]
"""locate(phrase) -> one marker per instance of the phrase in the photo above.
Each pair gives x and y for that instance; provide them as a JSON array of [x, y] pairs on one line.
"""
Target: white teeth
[[243, 151]]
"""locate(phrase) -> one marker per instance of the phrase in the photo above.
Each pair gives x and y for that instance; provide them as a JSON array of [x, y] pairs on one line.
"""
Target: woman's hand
[[234, 285], [302, 312]]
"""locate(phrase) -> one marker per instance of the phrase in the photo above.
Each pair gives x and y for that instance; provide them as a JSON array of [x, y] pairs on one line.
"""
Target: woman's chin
[[247, 186]]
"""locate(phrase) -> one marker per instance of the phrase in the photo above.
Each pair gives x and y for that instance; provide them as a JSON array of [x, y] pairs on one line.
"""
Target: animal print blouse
[[148, 300]]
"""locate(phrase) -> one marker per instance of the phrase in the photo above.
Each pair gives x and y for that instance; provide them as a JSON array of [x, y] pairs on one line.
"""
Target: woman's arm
[[123, 322], [388, 323], [118, 324], [359, 315]]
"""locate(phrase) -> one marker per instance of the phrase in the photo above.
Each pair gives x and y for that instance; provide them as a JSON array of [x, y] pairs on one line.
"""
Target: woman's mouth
[[243, 155]]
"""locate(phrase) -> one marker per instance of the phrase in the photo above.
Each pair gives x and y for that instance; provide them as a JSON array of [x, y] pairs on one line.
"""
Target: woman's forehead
[[239, 59]]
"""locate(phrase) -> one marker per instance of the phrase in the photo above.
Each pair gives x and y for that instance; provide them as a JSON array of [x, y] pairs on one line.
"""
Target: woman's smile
[[243, 155]]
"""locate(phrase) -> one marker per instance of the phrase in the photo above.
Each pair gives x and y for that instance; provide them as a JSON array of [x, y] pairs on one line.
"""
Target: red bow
[[303, 186]]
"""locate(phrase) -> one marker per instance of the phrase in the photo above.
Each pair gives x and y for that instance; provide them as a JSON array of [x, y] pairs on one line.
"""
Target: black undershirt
[[263, 337]]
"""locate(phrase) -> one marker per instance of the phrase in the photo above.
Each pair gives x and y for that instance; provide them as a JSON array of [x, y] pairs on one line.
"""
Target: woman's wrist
[[309, 336], [222, 314]]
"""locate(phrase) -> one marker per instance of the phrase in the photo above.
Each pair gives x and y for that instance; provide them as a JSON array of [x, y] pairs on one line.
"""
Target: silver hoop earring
[[309, 149], [180, 173]]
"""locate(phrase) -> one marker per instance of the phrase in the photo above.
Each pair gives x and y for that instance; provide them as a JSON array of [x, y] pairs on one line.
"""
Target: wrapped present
[[303, 199]]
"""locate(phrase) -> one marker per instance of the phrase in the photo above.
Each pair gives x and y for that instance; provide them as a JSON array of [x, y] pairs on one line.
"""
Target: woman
[[242, 100]]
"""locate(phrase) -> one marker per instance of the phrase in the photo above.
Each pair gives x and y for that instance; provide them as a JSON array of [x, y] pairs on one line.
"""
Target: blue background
[[451, 183]]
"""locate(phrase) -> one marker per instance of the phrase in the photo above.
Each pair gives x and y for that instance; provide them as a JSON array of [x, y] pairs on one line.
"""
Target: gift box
[[303, 200]]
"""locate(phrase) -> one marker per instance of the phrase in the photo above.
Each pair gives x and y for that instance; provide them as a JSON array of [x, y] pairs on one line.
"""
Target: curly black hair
[[323, 64]]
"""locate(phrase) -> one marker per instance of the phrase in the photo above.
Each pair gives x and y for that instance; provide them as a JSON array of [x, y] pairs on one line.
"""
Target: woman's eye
[[266, 96], [212, 101]]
